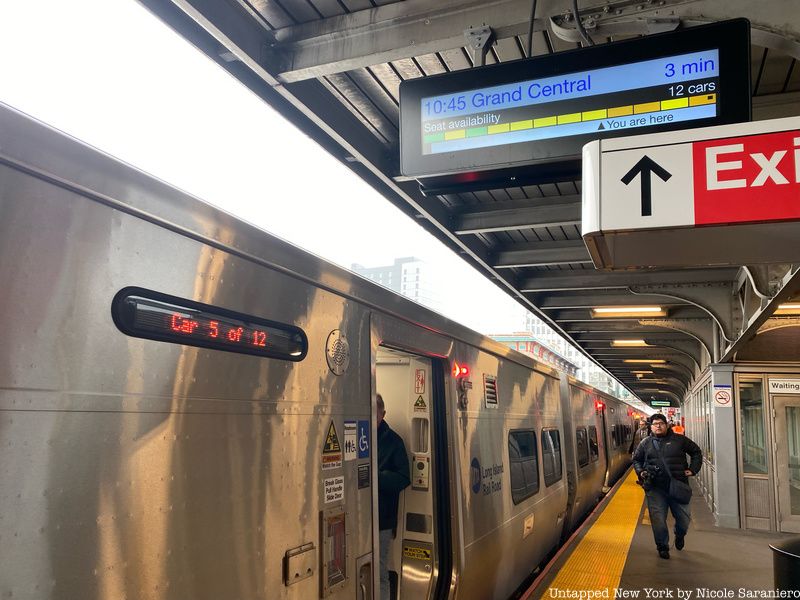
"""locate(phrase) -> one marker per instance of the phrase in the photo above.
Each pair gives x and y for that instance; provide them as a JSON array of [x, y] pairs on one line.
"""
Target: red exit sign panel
[[747, 179]]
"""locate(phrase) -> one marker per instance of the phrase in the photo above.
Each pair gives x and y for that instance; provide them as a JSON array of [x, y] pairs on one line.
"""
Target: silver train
[[186, 408]]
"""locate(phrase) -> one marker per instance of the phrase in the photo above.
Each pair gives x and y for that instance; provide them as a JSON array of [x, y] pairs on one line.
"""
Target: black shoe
[[679, 542], [663, 553]]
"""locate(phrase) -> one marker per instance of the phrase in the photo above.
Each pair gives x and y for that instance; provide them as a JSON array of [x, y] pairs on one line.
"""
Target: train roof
[[43, 151]]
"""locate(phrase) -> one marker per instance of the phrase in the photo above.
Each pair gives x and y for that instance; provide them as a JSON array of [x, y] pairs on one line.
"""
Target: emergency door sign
[[698, 181]]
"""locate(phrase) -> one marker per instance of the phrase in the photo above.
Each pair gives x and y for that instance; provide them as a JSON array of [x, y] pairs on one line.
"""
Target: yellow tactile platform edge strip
[[597, 563]]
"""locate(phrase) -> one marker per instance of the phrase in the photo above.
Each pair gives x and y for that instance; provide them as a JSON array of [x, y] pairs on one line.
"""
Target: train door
[[410, 387], [606, 454], [787, 459]]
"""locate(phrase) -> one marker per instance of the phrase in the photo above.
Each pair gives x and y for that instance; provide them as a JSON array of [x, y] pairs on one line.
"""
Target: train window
[[593, 448], [551, 456], [524, 463], [582, 446], [155, 316]]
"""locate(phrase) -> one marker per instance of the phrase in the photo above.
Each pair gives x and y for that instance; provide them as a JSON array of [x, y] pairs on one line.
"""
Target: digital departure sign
[[151, 315], [545, 109]]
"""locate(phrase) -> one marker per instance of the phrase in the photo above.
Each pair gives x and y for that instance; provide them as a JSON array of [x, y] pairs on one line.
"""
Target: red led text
[[182, 324]]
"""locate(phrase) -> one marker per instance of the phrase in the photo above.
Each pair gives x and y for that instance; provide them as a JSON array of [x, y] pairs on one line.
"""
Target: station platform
[[613, 555]]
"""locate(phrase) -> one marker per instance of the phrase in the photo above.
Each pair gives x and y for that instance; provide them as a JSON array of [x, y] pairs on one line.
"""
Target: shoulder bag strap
[[661, 458]]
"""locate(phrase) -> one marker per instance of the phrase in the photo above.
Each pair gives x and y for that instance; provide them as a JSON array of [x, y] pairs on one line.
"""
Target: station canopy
[[334, 69]]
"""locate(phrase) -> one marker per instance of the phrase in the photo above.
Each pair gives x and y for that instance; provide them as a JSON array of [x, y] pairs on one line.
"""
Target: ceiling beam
[[585, 314], [416, 27], [579, 280], [591, 298], [388, 33], [631, 327], [542, 254], [563, 210], [597, 337]]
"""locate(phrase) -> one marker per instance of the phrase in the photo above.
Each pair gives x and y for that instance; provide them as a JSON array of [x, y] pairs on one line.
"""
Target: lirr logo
[[475, 475]]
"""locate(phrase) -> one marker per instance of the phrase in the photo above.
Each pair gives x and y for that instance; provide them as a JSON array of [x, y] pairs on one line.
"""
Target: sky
[[111, 74]]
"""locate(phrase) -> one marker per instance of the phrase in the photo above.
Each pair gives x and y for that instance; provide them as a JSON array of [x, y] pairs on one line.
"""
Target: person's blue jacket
[[393, 475]]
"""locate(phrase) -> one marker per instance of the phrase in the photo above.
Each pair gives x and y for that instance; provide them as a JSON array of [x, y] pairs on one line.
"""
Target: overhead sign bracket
[[479, 41], [596, 28]]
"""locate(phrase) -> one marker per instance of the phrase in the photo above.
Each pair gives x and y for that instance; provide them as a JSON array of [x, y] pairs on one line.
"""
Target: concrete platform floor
[[731, 561]]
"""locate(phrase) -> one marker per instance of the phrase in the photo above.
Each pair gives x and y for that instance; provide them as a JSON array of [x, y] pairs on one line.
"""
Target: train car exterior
[[186, 408], [598, 432]]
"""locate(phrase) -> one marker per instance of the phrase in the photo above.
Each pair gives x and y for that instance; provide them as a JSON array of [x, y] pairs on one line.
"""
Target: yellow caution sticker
[[417, 553], [332, 441], [331, 450]]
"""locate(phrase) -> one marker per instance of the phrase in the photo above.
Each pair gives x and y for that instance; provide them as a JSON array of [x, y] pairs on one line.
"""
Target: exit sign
[[727, 195]]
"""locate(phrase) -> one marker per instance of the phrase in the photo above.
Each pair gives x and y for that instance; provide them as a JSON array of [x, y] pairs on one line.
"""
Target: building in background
[[588, 371], [409, 276], [528, 343]]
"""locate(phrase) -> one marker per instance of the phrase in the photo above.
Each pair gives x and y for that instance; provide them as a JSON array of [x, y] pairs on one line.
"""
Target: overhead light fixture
[[645, 361], [629, 343], [642, 372], [788, 308], [610, 312]]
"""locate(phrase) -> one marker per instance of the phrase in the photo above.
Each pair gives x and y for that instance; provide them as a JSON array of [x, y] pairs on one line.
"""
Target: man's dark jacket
[[393, 475], [674, 448]]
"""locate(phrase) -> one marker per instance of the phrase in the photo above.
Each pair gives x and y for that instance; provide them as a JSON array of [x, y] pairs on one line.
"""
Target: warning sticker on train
[[334, 489], [363, 476], [417, 553], [419, 381], [332, 450], [420, 405]]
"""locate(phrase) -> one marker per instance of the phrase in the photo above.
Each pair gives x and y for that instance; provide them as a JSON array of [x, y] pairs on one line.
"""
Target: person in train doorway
[[660, 463], [394, 476], [639, 435]]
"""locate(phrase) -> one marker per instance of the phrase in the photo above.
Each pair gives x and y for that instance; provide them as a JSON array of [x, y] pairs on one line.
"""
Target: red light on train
[[460, 370], [599, 405]]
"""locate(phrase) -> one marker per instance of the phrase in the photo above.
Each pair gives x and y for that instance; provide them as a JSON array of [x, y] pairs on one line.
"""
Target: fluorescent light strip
[[645, 361], [629, 343], [609, 310]]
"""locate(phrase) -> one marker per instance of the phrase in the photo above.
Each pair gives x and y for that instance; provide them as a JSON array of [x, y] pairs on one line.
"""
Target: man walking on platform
[[660, 463]]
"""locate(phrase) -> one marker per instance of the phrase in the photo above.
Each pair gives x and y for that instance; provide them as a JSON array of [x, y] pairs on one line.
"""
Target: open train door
[[412, 389]]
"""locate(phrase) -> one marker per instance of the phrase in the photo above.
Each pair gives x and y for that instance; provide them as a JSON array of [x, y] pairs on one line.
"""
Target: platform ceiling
[[333, 68]]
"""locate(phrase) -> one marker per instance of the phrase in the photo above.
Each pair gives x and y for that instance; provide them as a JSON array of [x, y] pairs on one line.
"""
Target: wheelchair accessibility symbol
[[363, 439]]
